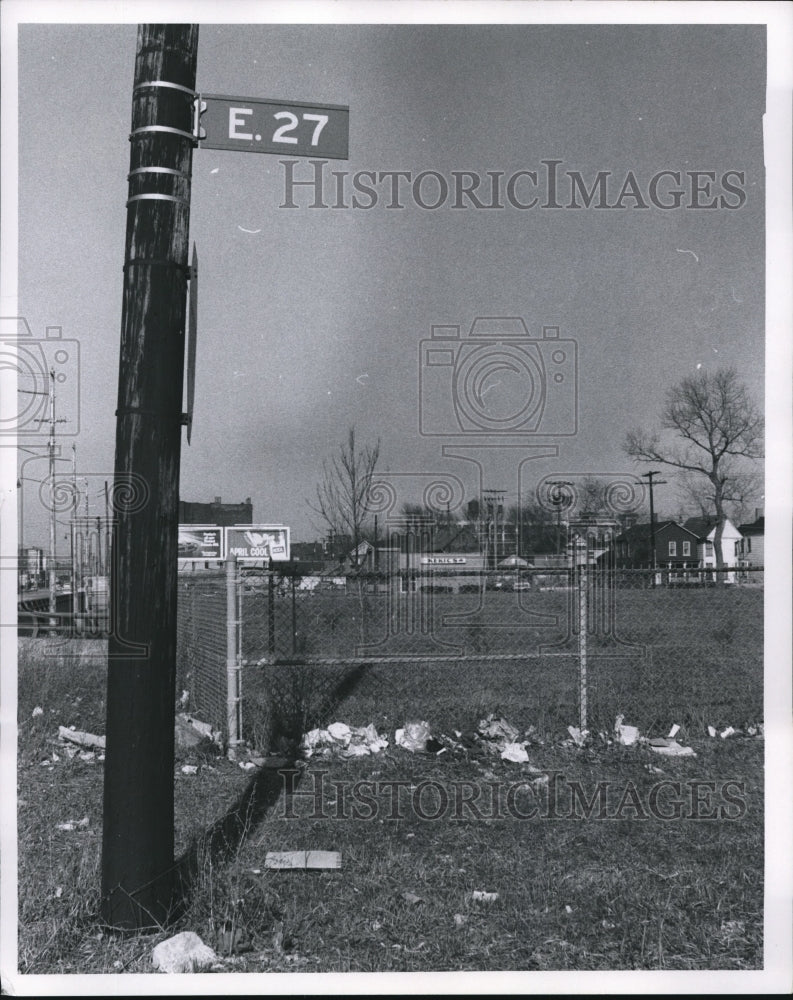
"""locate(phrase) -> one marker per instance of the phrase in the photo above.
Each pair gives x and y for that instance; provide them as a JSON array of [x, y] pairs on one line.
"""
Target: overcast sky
[[310, 321]]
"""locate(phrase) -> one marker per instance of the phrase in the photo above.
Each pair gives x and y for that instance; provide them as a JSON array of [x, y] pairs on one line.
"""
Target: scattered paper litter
[[184, 952], [412, 898], [726, 732], [626, 735], [73, 824], [189, 769], [711, 731], [499, 730], [515, 752], [673, 731], [82, 739], [38, 710], [413, 737], [672, 749], [186, 723], [247, 765], [340, 733], [478, 896], [302, 859], [342, 740], [578, 736]]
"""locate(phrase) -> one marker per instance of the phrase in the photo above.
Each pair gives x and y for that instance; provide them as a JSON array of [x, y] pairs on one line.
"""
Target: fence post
[[233, 700], [583, 625], [294, 618], [271, 615]]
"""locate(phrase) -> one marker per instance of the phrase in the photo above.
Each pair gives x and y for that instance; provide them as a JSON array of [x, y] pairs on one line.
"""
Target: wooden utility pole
[[138, 885]]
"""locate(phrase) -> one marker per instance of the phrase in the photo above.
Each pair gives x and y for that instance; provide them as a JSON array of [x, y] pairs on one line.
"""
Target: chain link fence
[[207, 648], [275, 652]]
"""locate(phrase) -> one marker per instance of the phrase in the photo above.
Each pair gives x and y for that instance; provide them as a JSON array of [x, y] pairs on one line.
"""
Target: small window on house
[[708, 548], [673, 548], [748, 544], [686, 548]]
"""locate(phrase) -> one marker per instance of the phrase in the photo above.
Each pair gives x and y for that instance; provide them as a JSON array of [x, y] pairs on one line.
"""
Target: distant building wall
[[216, 512]]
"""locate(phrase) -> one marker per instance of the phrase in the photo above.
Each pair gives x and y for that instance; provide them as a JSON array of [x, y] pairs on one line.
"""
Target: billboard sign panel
[[255, 542], [200, 541]]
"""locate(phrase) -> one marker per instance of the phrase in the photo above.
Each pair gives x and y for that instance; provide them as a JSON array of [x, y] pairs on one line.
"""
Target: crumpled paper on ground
[[577, 735], [341, 740], [498, 730], [515, 752], [184, 952], [626, 735], [413, 737], [671, 748]]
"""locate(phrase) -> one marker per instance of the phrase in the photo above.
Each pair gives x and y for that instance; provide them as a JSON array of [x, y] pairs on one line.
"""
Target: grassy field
[[602, 857]]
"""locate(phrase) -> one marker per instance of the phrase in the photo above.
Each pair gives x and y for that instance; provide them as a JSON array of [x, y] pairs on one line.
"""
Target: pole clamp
[[158, 197], [164, 83], [164, 128]]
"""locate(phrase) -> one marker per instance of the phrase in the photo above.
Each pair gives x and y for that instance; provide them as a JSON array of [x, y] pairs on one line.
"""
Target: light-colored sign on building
[[443, 560]]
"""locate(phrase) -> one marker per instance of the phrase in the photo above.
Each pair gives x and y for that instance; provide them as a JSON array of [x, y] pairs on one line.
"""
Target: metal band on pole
[[163, 128], [159, 170], [158, 197], [164, 83]]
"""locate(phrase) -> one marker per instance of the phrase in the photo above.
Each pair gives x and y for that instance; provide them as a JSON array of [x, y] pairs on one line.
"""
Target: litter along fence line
[[288, 633]]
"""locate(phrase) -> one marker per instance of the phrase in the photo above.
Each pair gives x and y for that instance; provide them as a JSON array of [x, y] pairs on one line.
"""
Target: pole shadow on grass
[[225, 836]]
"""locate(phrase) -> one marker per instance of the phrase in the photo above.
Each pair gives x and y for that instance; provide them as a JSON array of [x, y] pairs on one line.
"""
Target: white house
[[753, 546], [705, 530]]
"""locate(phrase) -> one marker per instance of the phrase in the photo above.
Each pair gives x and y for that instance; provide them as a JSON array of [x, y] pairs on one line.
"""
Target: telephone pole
[[649, 477], [138, 885]]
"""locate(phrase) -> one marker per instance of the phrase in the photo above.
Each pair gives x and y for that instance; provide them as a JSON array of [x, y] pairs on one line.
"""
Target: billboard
[[200, 541], [256, 542]]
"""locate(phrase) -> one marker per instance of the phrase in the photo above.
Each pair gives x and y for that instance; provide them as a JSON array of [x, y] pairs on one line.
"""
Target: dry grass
[[620, 893]]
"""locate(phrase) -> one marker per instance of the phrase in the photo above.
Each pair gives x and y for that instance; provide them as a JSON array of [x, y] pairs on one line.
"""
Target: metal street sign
[[257, 125]]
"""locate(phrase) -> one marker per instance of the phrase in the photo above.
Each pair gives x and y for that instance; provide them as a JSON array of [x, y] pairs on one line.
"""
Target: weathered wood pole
[[138, 886]]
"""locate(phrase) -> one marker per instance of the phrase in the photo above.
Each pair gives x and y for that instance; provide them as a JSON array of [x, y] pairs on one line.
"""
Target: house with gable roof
[[705, 530], [753, 546]]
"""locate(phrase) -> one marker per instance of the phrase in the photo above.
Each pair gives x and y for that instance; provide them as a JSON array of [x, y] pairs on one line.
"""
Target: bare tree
[[341, 498], [716, 428]]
